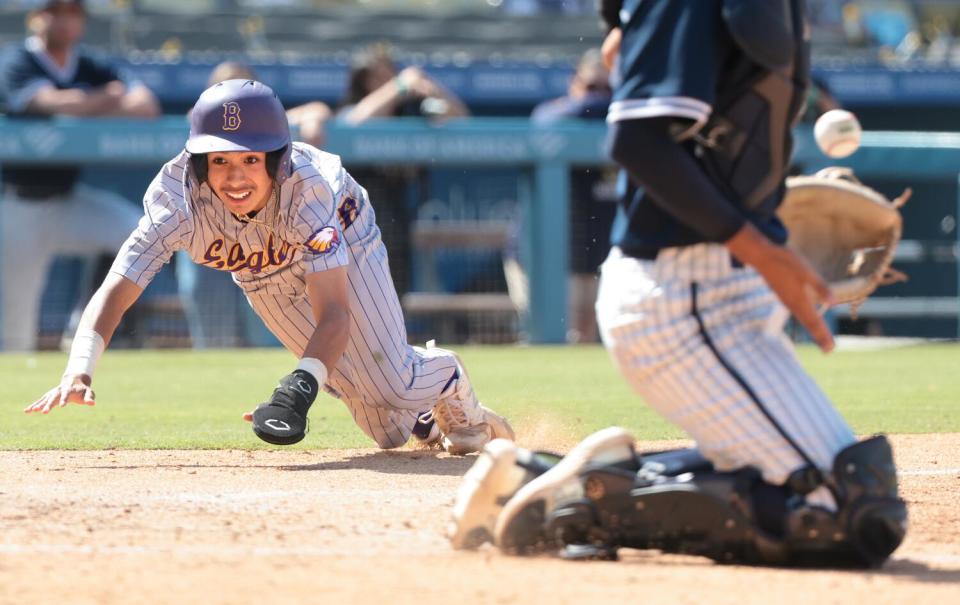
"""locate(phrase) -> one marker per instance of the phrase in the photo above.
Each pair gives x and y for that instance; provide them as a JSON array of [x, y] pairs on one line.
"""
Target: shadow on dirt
[[919, 571], [426, 462], [421, 463], [915, 569]]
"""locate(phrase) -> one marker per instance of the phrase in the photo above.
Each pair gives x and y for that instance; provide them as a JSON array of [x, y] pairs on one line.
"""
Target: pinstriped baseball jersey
[[318, 219]]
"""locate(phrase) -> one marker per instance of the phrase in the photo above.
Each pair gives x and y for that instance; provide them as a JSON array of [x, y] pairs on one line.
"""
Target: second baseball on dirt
[[837, 133]]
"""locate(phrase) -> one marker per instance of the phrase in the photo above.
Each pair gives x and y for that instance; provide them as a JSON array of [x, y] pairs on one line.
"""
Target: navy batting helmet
[[240, 115]]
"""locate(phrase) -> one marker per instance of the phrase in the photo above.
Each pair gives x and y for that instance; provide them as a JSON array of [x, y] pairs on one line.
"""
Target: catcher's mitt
[[847, 231]]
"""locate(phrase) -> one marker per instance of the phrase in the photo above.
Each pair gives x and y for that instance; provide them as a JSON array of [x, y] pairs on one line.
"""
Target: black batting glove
[[283, 419]]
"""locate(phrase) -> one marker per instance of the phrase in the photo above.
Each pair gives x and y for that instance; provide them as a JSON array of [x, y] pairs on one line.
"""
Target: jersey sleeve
[[163, 230], [20, 80], [316, 227], [668, 61], [100, 72]]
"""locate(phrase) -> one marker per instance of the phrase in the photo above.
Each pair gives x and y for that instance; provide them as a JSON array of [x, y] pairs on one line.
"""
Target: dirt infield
[[362, 526]]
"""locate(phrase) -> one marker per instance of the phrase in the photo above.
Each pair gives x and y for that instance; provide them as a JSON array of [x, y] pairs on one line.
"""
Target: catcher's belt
[[847, 231]]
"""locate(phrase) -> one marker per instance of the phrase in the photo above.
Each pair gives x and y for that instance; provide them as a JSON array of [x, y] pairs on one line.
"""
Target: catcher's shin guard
[[737, 517], [874, 515], [707, 513], [871, 519]]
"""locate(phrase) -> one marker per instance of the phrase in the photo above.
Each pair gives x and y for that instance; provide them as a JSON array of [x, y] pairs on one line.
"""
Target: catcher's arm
[[99, 322], [790, 277]]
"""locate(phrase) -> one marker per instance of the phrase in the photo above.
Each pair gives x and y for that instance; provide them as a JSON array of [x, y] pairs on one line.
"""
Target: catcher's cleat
[[520, 527], [500, 470], [466, 424], [426, 431]]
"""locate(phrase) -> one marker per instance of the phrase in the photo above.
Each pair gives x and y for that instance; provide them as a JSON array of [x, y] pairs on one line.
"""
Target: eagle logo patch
[[324, 241]]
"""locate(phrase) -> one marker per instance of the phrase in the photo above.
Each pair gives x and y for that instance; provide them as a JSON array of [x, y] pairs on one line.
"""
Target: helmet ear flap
[[273, 161], [198, 161]]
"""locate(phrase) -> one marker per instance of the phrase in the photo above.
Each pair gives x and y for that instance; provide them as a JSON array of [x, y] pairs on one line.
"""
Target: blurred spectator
[[539, 7], [853, 27], [593, 199], [45, 211], [884, 24], [888, 22], [939, 39], [376, 90], [588, 94]]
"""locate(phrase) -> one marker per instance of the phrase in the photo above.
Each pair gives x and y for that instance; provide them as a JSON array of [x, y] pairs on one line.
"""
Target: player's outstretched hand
[[790, 277], [73, 388]]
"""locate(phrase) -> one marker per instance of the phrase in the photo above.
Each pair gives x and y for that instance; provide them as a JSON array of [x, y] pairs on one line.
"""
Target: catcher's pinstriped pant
[[384, 382], [703, 343]]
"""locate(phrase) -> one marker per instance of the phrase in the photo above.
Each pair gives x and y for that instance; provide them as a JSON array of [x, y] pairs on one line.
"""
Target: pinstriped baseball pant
[[383, 381], [703, 343]]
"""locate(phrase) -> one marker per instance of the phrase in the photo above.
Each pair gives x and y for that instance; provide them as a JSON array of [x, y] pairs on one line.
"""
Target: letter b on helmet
[[231, 116]]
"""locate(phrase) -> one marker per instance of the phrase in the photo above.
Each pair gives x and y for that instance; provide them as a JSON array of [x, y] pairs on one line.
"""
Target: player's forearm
[[72, 102], [672, 177], [750, 246], [455, 107], [378, 104], [108, 305], [330, 337], [139, 102]]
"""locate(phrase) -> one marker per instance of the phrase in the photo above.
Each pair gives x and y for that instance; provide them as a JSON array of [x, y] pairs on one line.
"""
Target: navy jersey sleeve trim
[[660, 107], [20, 99]]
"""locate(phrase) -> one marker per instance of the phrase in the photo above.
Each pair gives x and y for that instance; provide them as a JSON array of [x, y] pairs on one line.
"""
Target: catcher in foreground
[[692, 303]]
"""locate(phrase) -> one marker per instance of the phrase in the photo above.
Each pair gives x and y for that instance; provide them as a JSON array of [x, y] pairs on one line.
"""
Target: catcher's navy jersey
[[658, 73], [677, 59]]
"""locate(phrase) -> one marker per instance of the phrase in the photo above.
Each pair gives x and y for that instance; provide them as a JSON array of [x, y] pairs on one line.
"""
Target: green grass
[[187, 399]]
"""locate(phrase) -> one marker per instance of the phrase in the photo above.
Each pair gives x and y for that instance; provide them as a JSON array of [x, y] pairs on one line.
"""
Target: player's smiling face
[[240, 179]]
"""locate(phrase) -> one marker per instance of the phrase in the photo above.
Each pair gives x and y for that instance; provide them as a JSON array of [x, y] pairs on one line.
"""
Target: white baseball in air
[[838, 133]]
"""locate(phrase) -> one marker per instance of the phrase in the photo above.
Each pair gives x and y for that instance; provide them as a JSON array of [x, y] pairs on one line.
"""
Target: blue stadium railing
[[548, 151]]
